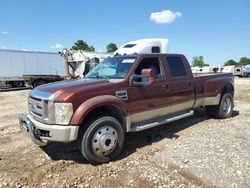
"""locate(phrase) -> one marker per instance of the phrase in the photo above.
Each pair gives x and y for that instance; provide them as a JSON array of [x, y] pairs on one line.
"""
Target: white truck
[[20, 68], [150, 45], [27, 67]]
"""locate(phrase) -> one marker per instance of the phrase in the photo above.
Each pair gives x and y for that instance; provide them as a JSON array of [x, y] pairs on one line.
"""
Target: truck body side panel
[[209, 87]]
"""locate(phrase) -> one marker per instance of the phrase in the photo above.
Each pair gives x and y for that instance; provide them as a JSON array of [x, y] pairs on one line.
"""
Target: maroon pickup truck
[[123, 94]]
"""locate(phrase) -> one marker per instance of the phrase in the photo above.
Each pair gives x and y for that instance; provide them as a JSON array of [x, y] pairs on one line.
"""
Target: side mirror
[[146, 78]]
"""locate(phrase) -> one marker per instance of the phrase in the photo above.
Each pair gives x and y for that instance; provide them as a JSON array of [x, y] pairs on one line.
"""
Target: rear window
[[176, 66]]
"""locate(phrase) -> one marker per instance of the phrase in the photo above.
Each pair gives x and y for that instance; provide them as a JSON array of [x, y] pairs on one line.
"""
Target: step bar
[[161, 121]]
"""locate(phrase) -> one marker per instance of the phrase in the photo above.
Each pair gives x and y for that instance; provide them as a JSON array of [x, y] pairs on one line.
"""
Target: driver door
[[149, 101]]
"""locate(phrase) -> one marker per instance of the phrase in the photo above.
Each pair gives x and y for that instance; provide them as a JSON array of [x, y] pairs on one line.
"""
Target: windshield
[[114, 68]]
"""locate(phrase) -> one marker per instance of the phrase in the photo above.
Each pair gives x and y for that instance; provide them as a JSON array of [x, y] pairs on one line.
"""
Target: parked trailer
[[208, 69], [20, 68], [246, 71], [235, 70]]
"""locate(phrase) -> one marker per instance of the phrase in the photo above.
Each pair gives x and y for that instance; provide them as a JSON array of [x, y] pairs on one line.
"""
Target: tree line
[[82, 45], [243, 62], [198, 61]]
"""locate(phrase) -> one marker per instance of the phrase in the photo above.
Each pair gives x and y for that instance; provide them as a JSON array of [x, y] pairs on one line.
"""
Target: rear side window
[[176, 66], [155, 49]]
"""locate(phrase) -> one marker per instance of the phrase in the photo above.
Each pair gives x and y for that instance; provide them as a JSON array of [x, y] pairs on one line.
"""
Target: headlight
[[63, 113]]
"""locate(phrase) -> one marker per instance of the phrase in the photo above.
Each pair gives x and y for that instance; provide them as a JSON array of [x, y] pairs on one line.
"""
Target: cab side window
[[150, 63], [176, 66]]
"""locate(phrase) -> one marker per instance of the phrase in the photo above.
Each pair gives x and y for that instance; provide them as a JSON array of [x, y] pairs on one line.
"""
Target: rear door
[[180, 84]]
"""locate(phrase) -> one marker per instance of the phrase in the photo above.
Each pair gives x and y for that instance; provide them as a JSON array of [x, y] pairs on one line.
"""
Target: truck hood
[[65, 89]]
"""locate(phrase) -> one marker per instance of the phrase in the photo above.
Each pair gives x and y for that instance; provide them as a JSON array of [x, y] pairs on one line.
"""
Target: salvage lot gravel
[[194, 152]]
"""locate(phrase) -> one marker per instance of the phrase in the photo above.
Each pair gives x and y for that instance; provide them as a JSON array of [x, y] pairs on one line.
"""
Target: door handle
[[166, 87]]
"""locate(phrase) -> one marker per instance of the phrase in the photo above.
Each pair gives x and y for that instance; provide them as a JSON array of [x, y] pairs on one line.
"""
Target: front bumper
[[41, 133]]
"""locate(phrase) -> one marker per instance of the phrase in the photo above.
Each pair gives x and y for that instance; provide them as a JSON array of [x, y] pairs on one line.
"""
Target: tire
[[17, 84], [224, 109], [102, 140]]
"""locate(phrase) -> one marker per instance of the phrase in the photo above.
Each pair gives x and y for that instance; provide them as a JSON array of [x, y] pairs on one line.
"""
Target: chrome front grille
[[36, 108]]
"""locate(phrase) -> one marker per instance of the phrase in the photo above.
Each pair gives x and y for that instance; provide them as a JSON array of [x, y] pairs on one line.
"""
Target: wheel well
[[109, 110], [227, 89]]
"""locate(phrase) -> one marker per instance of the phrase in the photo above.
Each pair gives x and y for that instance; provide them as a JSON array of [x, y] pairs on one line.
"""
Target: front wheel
[[102, 140], [224, 109]]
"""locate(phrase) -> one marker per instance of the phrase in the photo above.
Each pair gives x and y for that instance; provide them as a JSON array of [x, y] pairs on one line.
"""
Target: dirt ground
[[192, 152]]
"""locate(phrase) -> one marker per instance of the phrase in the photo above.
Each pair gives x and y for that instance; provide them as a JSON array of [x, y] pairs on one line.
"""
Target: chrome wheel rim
[[104, 140], [227, 106]]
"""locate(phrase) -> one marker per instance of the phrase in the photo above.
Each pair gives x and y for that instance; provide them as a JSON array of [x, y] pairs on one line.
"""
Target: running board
[[167, 119]]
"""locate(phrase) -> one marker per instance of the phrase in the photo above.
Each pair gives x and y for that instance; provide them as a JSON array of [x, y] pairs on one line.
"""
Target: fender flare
[[214, 87], [103, 100]]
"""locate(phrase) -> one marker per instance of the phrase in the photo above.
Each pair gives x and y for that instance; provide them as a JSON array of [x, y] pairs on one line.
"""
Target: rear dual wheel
[[224, 109], [102, 140]]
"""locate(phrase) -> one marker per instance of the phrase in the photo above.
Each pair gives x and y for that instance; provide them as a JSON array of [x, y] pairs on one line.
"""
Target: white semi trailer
[[19, 68]]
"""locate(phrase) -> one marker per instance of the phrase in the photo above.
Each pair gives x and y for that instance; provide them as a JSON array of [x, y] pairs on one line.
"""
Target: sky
[[218, 30]]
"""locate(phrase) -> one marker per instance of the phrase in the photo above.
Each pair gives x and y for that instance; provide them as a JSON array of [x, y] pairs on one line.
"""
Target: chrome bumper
[[27, 126], [40, 133]]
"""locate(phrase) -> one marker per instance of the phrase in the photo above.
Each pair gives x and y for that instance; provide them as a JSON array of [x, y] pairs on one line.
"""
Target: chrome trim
[[122, 94], [43, 95], [168, 120], [104, 141], [57, 133], [36, 108], [41, 106], [27, 126]]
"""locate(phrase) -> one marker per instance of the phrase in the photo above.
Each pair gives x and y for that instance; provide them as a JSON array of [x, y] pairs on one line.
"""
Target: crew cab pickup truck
[[123, 94]]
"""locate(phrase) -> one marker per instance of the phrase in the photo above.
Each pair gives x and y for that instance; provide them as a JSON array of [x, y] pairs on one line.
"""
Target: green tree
[[82, 45], [244, 61], [198, 61], [230, 62], [111, 47]]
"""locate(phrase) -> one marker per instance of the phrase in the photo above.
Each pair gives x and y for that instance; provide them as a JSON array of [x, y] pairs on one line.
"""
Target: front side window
[[113, 68], [150, 63], [176, 66], [129, 45]]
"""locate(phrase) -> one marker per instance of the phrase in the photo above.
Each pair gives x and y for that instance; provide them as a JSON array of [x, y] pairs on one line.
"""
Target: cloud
[[164, 16], [5, 32], [2, 46], [57, 45], [24, 49]]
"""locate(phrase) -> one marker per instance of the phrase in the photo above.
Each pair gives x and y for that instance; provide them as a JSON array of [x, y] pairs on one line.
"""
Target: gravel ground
[[218, 155], [193, 152]]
